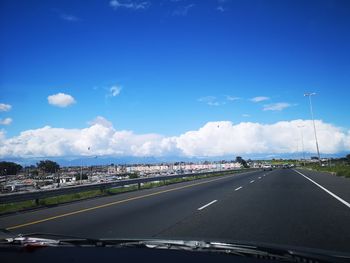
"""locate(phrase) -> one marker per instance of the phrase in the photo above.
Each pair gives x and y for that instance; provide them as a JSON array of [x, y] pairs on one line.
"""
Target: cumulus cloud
[[259, 99], [6, 121], [209, 100], [115, 4], [277, 106], [5, 107], [225, 138], [213, 139], [115, 90], [61, 100], [101, 121]]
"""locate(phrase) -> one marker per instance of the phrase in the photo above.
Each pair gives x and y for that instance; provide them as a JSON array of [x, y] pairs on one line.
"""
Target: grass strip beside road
[[61, 199], [339, 170]]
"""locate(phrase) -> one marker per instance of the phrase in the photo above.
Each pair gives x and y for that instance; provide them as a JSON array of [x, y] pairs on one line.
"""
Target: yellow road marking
[[112, 203]]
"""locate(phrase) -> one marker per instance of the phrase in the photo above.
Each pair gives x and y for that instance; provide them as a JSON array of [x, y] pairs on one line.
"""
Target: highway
[[284, 206]]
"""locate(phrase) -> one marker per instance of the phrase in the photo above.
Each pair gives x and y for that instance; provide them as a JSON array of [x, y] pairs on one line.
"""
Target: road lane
[[281, 208], [339, 185], [341, 200], [115, 216]]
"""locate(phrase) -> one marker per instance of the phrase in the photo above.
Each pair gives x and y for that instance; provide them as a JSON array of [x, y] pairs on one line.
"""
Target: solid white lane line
[[204, 206], [324, 189], [252, 181], [238, 188]]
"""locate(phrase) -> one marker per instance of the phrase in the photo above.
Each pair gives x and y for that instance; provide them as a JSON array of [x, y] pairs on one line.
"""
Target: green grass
[[69, 197], [339, 170], [13, 207], [25, 205]]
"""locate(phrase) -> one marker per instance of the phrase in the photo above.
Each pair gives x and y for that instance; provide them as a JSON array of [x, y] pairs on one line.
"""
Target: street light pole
[[313, 121]]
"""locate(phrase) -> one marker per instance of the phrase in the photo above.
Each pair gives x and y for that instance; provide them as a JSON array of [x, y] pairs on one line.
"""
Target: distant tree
[[84, 177], [133, 176], [348, 158], [48, 166], [240, 160], [9, 168]]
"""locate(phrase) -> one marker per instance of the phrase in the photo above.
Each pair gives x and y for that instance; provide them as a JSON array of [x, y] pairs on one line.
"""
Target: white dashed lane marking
[[204, 206]]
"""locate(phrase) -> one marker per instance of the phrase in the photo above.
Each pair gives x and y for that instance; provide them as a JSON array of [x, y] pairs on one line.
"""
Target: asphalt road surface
[[284, 206]]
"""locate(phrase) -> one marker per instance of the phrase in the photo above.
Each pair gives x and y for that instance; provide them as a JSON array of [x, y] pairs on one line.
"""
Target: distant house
[[112, 170]]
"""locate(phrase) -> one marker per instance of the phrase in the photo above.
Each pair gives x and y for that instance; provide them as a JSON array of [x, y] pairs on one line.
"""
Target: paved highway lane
[[281, 207], [134, 214]]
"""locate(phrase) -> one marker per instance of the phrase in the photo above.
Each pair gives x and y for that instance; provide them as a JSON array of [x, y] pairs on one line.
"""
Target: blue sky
[[179, 64]]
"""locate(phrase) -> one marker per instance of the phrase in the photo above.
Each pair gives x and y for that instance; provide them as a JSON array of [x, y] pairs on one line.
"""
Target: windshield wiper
[[238, 249]]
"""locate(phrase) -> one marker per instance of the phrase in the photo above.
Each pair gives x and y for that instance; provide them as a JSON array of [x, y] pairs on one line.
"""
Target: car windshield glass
[[180, 120]]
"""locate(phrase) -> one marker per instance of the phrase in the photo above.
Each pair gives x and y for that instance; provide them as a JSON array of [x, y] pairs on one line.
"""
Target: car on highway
[[286, 166], [267, 167]]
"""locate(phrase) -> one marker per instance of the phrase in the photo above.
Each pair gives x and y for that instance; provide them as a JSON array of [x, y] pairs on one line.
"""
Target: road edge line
[[324, 189]]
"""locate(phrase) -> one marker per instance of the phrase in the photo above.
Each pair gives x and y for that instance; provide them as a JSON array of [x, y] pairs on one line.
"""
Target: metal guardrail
[[18, 197]]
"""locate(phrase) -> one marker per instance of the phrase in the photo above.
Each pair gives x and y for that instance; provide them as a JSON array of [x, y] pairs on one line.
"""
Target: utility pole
[[313, 121]]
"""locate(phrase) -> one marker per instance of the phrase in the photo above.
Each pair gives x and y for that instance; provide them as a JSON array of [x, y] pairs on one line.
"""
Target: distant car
[[267, 167]]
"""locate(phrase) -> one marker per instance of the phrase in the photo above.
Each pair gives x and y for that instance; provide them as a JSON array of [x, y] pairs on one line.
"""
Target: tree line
[[45, 166]]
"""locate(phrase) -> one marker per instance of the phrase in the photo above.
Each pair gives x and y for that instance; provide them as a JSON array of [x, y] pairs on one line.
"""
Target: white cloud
[[70, 18], [115, 4], [101, 121], [209, 100], [5, 107], [221, 5], [277, 106], [220, 8], [61, 100], [115, 90], [6, 121], [259, 99], [213, 139], [225, 138], [183, 10], [231, 98]]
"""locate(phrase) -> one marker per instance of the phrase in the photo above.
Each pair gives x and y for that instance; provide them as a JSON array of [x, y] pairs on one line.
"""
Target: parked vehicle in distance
[[267, 167]]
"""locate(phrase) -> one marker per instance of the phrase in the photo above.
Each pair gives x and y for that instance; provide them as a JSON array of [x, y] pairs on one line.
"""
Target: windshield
[[214, 121]]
